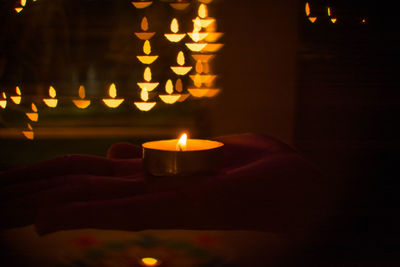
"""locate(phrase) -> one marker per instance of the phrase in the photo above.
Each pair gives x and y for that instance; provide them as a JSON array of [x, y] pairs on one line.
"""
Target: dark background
[[330, 90]]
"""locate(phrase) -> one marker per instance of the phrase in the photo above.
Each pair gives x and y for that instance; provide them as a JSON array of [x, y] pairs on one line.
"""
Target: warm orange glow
[[312, 19], [23, 2], [212, 48], [213, 36], [144, 35], [3, 102], [147, 74], [17, 99], [196, 24], [51, 102], [203, 13], [113, 102], [112, 90], [149, 261], [180, 58], [147, 47], [363, 21], [33, 116], [144, 24], [183, 97], [29, 134], [203, 92], [203, 57], [204, 23], [205, 1], [203, 78], [308, 12], [199, 67], [196, 47], [144, 95], [179, 6], [170, 99], [333, 20], [198, 36], [141, 5], [197, 80], [174, 25], [148, 86], [147, 50], [329, 11], [34, 108], [180, 70], [18, 9], [179, 85], [81, 103], [145, 106], [52, 92], [181, 145], [169, 87]]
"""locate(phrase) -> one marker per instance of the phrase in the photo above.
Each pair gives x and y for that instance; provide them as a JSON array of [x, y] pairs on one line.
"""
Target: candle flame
[[147, 47], [145, 24], [197, 25], [179, 86], [23, 2], [112, 91], [174, 26], [308, 12], [81, 92], [34, 108], [52, 92], [202, 11], [181, 58], [144, 95], [17, 90], [150, 261], [196, 36], [30, 127], [147, 74], [181, 145], [169, 87], [329, 11], [4, 95]]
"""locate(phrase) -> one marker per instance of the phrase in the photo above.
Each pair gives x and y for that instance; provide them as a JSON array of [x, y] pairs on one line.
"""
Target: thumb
[[124, 150]]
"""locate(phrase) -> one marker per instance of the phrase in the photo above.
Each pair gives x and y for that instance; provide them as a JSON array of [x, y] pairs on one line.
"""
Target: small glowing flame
[[196, 36], [169, 87], [203, 11], [308, 12], [34, 108], [150, 261], [197, 25], [199, 66], [181, 145], [4, 95], [23, 2], [147, 47], [197, 80], [145, 24], [52, 92], [329, 11], [30, 127], [147, 74], [181, 58], [17, 90], [174, 26], [144, 95], [112, 91], [179, 85], [81, 92]]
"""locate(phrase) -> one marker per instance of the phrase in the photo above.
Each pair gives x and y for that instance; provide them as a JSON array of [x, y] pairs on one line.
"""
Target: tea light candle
[[182, 157]]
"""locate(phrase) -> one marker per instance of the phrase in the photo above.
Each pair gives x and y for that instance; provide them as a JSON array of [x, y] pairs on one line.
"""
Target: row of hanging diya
[[332, 18]]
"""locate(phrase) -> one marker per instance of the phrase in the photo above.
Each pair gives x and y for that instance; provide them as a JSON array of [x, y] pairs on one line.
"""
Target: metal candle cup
[[164, 158]]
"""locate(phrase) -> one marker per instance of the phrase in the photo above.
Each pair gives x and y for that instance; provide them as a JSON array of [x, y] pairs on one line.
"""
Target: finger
[[22, 210], [124, 151], [263, 195], [72, 164]]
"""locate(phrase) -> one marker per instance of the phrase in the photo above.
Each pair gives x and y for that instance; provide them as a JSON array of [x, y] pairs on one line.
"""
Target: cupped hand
[[264, 185]]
